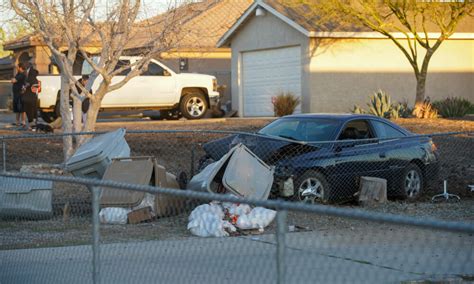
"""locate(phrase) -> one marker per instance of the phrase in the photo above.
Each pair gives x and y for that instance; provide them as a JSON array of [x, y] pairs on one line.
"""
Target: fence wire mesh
[[305, 243]]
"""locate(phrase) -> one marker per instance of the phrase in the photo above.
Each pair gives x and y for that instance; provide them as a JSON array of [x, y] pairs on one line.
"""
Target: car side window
[[122, 63], [384, 130], [154, 70], [356, 129]]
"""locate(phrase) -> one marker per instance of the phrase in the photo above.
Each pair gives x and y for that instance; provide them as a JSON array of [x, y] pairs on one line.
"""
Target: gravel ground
[[458, 165]]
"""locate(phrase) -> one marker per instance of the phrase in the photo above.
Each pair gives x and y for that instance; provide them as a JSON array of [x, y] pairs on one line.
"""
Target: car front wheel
[[412, 182], [312, 187], [193, 106]]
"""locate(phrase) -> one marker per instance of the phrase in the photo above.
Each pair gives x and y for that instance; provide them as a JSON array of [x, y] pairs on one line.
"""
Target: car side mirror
[[166, 73]]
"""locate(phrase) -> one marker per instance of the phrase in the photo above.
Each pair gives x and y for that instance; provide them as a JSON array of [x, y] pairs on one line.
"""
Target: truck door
[[157, 86], [123, 97]]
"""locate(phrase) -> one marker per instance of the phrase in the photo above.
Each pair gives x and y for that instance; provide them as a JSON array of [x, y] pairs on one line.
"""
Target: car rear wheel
[[193, 106], [412, 182], [49, 117], [312, 187]]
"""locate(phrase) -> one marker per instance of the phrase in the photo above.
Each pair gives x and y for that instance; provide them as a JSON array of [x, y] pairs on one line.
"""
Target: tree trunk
[[420, 88], [92, 114], [77, 114], [68, 149]]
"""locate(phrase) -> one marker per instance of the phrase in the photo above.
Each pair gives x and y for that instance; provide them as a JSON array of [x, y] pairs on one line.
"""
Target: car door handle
[[383, 155]]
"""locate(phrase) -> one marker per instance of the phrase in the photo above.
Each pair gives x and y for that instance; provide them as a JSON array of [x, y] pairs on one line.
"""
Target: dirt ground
[[457, 165]]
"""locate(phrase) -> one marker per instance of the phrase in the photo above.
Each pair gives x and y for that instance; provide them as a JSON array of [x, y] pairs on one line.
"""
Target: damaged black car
[[321, 157]]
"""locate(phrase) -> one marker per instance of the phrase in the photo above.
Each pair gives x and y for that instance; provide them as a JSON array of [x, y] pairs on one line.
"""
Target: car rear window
[[302, 129], [386, 131]]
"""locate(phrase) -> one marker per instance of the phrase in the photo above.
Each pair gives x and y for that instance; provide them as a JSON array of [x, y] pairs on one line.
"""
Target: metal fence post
[[281, 245], [95, 235], [4, 151]]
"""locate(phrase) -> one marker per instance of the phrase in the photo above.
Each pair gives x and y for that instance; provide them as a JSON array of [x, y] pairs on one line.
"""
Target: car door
[[397, 151], [357, 153], [157, 86]]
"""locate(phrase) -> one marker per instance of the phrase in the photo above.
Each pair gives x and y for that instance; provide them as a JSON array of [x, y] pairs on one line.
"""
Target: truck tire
[[49, 117], [193, 106]]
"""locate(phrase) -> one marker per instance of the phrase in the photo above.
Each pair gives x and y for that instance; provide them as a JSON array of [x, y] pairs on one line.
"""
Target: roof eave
[[225, 39]]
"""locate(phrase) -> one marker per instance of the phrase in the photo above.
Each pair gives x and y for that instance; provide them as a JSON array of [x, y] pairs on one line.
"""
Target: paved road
[[312, 257]]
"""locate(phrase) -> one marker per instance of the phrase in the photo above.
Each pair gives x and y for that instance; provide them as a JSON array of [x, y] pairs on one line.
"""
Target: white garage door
[[267, 73]]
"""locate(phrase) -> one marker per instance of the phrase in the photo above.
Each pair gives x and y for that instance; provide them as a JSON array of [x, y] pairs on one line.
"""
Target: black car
[[319, 157]]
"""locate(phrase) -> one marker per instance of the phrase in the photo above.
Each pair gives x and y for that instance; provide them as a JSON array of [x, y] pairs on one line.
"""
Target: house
[[277, 48], [202, 24]]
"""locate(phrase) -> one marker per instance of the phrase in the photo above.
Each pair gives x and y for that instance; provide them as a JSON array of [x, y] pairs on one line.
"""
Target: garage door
[[267, 73]]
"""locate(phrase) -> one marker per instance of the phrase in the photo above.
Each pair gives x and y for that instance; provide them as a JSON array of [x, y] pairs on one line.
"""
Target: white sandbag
[[206, 221], [212, 208], [237, 209], [112, 215], [258, 218]]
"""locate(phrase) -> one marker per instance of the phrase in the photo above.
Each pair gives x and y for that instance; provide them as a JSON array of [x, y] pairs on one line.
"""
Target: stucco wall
[[261, 33], [345, 72]]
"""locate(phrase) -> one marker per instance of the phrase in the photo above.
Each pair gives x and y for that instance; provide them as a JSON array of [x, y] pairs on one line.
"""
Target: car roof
[[335, 116], [343, 117]]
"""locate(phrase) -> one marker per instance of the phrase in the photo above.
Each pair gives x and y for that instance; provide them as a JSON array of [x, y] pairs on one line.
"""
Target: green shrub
[[453, 107], [285, 104]]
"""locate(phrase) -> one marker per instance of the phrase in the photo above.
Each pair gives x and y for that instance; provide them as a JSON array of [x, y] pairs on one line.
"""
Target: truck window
[[154, 70], [122, 63]]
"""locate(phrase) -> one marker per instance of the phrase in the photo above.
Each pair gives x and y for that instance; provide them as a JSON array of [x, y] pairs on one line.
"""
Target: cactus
[[358, 110], [380, 104], [395, 111]]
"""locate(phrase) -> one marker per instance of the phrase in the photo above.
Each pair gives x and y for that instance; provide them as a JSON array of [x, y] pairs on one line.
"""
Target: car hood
[[268, 149]]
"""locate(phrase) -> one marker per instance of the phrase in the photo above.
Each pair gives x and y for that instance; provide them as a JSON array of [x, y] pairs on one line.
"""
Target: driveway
[[311, 257]]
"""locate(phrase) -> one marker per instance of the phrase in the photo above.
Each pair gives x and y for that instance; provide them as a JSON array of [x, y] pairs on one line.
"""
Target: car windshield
[[302, 129]]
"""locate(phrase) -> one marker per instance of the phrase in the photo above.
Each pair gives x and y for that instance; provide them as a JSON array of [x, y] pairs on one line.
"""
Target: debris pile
[[223, 219]]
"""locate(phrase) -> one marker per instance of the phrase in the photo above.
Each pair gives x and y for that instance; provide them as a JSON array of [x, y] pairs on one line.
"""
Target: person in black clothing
[[30, 96], [86, 101], [17, 87]]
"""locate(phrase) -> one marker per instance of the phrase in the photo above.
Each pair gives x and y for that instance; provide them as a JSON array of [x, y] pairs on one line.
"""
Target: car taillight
[[36, 88], [214, 85]]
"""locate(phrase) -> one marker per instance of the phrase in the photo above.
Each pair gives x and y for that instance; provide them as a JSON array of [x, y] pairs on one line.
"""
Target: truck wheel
[[49, 117], [193, 106]]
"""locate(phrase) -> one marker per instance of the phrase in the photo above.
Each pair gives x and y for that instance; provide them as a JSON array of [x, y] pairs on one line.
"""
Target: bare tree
[[60, 24], [71, 26], [413, 19]]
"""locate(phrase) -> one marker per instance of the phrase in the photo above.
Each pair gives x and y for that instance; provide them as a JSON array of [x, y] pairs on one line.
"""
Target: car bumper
[[214, 98]]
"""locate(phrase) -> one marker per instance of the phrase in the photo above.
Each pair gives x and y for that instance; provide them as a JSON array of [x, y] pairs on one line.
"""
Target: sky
[[149, 8]]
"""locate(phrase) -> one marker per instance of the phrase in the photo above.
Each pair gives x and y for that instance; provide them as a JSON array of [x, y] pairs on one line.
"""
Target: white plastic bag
[[206, 221], [237, 209], [114, 215], [258, 218]]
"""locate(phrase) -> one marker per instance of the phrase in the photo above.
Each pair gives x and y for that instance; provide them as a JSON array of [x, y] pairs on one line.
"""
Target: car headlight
[[214, 85]]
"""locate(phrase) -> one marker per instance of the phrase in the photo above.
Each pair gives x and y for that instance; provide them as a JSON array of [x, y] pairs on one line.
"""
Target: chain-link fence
[[304, 243]]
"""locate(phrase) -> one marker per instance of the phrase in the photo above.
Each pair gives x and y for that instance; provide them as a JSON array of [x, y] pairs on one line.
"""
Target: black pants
[[30, 105], [17, 103]]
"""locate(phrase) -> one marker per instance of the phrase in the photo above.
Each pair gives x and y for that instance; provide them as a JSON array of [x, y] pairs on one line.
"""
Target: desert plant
[[425, 110], [380, 104], [358, 110], [453, 107], [285, 103], [404, 110]]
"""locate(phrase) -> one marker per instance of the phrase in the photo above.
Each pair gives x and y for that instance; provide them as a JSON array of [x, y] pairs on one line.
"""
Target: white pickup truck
[[157, 88]]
